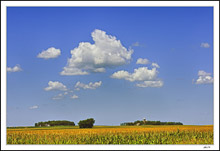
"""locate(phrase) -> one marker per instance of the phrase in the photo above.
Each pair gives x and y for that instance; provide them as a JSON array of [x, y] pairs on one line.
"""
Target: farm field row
[[149, 134]]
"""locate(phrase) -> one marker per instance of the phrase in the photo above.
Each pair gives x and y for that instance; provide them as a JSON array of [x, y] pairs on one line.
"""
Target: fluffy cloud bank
[[205, 45], [140, 74], [49, 53], [88, 86], [148, 77], [16, 68], [204, 78], [106, 52], [142, 61], [55, 86]]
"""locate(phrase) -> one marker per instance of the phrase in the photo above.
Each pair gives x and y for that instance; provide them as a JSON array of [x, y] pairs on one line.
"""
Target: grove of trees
[[88, 123], [138, 122], [54, 123]]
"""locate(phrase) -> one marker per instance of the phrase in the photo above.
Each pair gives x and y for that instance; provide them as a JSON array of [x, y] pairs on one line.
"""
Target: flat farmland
[[148, 134]]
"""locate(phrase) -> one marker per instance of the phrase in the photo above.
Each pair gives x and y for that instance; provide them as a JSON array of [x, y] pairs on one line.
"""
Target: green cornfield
[[182, 134]]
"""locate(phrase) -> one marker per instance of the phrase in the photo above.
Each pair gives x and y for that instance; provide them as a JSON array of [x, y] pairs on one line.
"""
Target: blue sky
[[173, 80]]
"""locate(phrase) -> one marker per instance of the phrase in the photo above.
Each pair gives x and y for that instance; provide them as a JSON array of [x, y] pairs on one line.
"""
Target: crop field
[[181, 134]]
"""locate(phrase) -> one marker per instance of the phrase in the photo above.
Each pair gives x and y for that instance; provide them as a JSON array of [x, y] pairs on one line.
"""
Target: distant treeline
[[150, 123], [54, 123]]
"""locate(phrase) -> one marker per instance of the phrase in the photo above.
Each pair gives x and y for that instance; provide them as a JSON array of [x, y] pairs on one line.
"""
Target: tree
[[88, 123]]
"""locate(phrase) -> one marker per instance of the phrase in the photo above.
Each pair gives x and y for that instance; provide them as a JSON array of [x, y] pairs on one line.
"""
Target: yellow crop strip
[[113, 135]]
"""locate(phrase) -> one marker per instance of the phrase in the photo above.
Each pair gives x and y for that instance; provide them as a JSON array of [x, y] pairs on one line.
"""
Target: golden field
[[149, 134]]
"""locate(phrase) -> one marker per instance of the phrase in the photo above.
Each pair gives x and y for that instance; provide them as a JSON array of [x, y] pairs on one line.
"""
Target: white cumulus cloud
[[203, 73], [33, 107], [49, 53], [204, 45], [204, 78], [140, 74], [146, 77], [55, 86], [74, 97], [142, 61], [155, 65], [16, 68], [106, 52], [88, 86]]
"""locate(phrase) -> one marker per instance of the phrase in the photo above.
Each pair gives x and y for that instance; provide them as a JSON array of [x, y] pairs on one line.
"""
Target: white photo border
[[5, 4]]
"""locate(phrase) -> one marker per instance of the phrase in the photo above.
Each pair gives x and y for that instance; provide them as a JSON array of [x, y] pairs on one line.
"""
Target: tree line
[[54, 123], [138, 122], [88, 123]]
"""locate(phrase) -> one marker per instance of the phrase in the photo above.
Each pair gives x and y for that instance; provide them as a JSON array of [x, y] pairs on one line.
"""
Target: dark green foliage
[[150, 123], [54, 123], [88, 123], [138, 121]]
